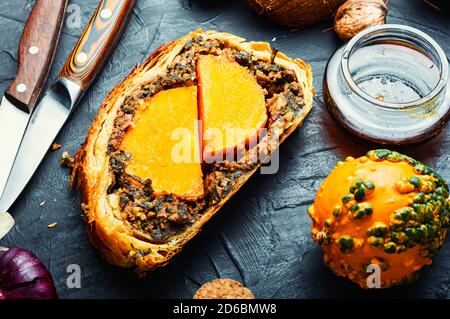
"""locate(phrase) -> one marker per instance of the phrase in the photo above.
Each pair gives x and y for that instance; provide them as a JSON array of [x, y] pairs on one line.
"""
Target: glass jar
[[389, 85]]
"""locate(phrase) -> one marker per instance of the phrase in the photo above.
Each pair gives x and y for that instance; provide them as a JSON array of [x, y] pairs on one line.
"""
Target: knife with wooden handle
[[37, 48], [83, 65]]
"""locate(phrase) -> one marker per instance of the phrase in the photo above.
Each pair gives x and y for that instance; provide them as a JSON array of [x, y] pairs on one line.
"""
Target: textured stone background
[[262, 236]]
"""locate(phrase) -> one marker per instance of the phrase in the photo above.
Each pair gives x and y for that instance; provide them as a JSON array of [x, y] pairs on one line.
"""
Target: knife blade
[[35, 57], [83, 65]]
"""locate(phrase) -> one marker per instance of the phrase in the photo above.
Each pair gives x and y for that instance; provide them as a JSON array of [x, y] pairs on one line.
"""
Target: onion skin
[[296, 13], [24, 276]]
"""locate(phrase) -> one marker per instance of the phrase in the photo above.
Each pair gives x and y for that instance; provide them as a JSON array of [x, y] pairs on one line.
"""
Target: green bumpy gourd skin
[[384, 208], [426, 220]]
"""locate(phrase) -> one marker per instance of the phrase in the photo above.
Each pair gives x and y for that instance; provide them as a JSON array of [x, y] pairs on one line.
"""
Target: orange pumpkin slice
[[231, 103], [164, 143]]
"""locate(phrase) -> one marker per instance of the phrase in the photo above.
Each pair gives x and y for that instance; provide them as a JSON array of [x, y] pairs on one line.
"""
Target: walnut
[[356, 15], [223, 289]]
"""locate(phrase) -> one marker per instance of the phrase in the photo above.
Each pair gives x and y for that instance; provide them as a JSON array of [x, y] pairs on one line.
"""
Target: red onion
[[24, 276]]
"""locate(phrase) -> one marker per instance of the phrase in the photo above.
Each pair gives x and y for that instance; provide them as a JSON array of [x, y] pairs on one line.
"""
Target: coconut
[[296, 13]]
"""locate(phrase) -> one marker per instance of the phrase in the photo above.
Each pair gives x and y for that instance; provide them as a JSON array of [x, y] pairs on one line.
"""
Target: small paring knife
[[37, 48], [83, 65]]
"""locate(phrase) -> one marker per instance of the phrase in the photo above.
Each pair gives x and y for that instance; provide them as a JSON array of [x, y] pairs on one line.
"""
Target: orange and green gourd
[[384, 208]]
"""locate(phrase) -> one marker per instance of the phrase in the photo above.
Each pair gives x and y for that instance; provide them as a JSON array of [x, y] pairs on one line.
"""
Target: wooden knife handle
[[97, 41], [36, 51]]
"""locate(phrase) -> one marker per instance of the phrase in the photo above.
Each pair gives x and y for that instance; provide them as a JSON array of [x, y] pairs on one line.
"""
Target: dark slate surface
[[262, 236]]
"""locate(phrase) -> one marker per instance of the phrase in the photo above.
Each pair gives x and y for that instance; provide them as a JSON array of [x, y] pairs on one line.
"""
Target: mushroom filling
[[157, 217]]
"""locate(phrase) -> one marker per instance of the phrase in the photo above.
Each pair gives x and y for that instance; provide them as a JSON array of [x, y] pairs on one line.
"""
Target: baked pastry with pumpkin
[[179, 136], [384, 209]]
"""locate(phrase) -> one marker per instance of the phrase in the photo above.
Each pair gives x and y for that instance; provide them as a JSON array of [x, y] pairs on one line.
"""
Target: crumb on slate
[[223, 289], [42, 204], [56, 146], [66, 160], [52, 225]]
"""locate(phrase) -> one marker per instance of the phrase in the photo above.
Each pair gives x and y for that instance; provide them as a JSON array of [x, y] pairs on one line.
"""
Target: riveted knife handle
[[97, 41], [37, 48]]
